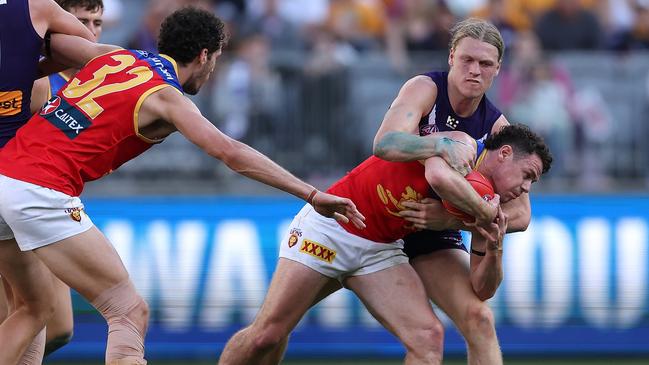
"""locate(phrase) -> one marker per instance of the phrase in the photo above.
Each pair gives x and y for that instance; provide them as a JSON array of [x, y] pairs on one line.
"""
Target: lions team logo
[[294, 237], [75, 213], [51, 106]]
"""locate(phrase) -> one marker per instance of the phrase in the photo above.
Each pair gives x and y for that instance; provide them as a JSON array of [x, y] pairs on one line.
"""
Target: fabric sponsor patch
[[65, 117], [318, 251], [11, 102], [75, 213]]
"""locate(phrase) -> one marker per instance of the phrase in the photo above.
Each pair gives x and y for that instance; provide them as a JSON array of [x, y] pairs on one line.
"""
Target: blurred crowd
[[290, 81]]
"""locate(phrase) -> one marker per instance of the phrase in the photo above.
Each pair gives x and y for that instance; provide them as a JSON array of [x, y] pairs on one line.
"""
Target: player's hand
[[459, 155], [425, 214], [501, 220], [495, 232], [341, 209], [493, 206]]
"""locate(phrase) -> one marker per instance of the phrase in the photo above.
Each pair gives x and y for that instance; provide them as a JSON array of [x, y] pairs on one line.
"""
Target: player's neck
[[184, 72], [487, 165], [69, 73], [462, 106]]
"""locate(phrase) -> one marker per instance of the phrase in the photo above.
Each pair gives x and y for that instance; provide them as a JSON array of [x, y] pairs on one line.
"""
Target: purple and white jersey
[[443, 119], [19, 54]]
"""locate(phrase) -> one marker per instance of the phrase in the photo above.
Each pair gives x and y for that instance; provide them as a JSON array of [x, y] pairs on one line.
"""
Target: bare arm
[[186, 117], [430, 214], [451, 186], [487, 270], [47, 15], [520, 212], [75, 52], [40, 93], [398, 136]]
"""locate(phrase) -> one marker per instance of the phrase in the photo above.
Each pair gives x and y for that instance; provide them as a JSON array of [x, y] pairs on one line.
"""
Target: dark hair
[[523, 141], [186, 32], [90, 5]]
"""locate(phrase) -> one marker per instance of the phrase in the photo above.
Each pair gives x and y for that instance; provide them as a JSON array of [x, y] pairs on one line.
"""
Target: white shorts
[[323, 245], [37, 216]]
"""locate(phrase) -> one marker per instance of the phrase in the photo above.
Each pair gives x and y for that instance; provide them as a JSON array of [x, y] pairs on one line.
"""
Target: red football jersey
[[378, 188], [89, 129]]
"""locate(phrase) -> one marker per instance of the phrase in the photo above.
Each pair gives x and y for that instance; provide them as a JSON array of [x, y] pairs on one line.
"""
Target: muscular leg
[[4, 305], [292, 291], [32, 297], [88, 263], [60, 326], [445, 274], [396, 298], [275, 357]]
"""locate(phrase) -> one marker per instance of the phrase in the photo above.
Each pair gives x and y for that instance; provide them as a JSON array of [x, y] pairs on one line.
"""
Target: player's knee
[[426, 341], [39, 309], [140, 314], [479, 321], [269, 337], [60, 340]]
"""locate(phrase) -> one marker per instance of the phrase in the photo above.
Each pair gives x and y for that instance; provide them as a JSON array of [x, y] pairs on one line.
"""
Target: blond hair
[[480, 30]]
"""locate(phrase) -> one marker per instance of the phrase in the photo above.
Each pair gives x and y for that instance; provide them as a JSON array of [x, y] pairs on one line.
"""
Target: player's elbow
[[519, 225], [388, 146], [486, 289], [485, 295], [233, 155], [380, 149]]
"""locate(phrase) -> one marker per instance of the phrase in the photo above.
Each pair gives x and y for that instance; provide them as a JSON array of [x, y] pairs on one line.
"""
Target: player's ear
[[505, 151], [450, 57], [203, 56]]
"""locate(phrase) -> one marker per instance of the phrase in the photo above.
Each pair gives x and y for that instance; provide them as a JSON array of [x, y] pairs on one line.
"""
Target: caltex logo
[[51, 106]]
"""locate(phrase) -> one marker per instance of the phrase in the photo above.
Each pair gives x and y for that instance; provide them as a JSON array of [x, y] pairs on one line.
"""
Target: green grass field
[[554, 361]]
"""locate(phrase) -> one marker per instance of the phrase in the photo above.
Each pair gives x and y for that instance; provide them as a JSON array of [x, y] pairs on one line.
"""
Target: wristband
[[478, 253], [309, 199]]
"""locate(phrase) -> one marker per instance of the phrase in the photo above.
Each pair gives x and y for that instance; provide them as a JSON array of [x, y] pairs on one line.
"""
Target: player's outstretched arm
[[398, 137], [73, 51], [47, 15], [249, 162], [486, 257]]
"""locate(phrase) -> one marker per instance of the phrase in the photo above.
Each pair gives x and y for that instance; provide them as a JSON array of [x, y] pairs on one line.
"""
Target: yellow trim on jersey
[[49, 88], [481, 157], [136, 112], [173, 63]]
